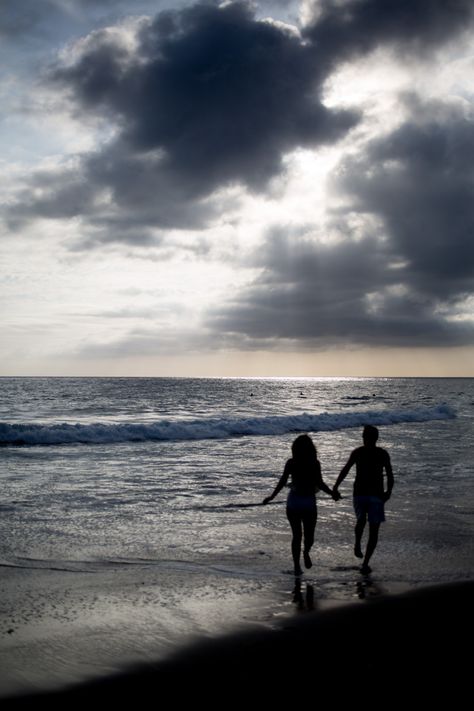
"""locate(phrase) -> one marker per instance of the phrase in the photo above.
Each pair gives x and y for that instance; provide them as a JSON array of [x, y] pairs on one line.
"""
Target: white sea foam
[[211, 428]]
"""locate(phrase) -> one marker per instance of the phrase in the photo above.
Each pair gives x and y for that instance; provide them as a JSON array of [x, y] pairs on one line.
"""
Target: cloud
[[27, 19], [204, 98], [334, 295], [146, 342], [343, 30], [420, 180], [407, 281]]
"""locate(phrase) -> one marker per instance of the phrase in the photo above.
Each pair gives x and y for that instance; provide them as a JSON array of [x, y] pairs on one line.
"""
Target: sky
[[237, 188]]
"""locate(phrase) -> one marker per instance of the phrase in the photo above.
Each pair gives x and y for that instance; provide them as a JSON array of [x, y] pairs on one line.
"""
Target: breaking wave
[[210, 428]]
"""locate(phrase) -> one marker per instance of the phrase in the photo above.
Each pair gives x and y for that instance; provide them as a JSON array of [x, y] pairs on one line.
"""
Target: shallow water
[[131, 547], [174, 498]]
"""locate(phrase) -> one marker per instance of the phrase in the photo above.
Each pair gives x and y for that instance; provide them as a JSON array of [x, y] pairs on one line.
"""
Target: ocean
[[130, 516]]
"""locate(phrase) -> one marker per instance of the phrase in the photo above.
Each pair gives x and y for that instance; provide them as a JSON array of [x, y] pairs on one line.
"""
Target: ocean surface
[[99, 470], [157, 482]]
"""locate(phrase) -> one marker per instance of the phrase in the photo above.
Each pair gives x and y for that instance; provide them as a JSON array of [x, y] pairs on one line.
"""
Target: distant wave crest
[[211, 428]]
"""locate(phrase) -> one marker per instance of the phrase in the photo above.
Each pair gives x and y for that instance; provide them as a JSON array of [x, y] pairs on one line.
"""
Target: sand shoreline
[[392, 644]]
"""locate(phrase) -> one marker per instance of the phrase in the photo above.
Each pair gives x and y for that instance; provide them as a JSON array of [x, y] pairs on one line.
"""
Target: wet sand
[[406, 648]]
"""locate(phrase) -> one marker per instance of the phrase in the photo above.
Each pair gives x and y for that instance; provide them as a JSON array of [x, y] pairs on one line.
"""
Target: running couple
[[304, 471]]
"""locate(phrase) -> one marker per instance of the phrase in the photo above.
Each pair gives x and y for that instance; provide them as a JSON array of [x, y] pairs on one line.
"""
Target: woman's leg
[[294, 518], [309, 525]]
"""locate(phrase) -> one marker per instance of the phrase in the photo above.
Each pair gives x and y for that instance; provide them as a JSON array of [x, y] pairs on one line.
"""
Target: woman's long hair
[[304, 452]]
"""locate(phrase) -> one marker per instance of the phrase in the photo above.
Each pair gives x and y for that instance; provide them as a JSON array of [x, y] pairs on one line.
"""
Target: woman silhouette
[[305, 472]]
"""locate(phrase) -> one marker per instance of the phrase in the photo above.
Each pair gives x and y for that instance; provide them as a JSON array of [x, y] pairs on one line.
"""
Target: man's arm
[[390, 479], [344, 472]]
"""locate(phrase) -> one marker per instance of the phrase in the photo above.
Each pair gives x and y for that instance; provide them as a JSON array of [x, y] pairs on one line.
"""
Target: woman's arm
[[324, 487], [280, 485]]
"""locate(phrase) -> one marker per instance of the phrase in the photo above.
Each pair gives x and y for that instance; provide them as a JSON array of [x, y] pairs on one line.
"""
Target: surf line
[[234, 506]]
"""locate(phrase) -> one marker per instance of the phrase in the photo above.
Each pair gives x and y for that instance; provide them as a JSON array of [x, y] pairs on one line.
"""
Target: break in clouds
[[407, 279], [207, 97]]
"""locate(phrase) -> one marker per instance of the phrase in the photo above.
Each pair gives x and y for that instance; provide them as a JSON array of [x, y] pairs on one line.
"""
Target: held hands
[[334, 494]]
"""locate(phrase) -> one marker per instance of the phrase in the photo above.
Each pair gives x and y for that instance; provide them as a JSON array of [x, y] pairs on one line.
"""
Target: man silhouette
[[369, 494]]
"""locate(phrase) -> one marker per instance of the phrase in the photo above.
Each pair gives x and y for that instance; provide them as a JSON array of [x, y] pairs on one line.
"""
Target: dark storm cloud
[[239, 94], [222, 95], [305, 291], [404, 287], [344, 29], [211, 97], [420, 181], [345, 294], [121, 197]]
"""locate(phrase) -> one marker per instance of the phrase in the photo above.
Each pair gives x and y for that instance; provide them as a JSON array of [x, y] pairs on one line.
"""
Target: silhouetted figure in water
[[305, 473], [369, 494]]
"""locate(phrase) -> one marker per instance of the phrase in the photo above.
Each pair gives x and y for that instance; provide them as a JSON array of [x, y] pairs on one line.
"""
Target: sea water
[[100, 470], [130, 513]]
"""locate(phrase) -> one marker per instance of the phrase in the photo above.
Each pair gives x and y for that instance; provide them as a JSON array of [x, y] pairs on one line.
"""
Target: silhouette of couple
[[304, 472]]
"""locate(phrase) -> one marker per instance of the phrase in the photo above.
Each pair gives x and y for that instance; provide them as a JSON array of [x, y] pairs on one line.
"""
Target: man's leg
[[371, 545], [359, 530]]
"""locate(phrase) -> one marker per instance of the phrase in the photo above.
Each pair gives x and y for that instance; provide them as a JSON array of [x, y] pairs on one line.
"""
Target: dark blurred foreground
[[397, 649]]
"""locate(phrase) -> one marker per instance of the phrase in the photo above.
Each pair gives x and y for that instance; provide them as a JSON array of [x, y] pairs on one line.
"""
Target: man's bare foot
[[358, 551], [366, 569], [308, 563], [298, 571]]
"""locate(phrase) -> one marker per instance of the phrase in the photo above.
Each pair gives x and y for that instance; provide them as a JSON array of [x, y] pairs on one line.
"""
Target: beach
[[59, 627], [63, 626], [132, 530], [396, 647]]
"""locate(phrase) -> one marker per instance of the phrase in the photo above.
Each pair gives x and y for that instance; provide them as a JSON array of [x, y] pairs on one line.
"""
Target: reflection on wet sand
[[303, 602]]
